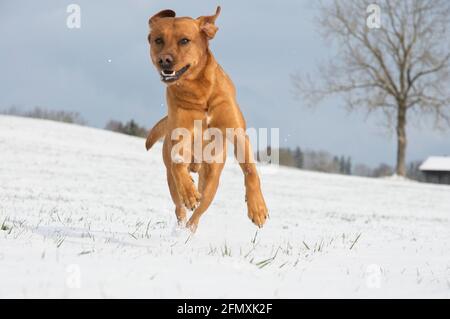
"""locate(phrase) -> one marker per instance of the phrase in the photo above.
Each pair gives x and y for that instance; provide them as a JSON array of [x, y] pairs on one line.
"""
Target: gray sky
[[260, 43]]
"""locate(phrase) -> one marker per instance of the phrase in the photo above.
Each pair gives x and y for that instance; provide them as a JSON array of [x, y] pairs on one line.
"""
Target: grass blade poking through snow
[[268, 261], [354, 242]]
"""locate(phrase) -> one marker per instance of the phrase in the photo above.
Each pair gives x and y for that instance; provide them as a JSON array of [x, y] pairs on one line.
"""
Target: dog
[[198, 89]]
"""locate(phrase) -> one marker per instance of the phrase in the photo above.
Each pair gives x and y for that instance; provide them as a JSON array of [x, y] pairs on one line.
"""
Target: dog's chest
[[208, 119]]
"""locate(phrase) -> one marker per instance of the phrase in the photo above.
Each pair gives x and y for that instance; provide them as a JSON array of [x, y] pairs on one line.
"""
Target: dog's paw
[[180, 230], [192, 225], [189, 194], [257, 209], [181, 222]]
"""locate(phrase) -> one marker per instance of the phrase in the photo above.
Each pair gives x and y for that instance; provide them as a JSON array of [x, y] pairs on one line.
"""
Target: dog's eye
[[159, 41], [184, 41]]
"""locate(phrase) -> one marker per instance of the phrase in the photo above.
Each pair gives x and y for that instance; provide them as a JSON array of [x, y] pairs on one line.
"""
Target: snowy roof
[[436, 163]]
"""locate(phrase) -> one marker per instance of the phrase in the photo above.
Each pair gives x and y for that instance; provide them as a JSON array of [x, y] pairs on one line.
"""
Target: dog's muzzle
[[171, 75]]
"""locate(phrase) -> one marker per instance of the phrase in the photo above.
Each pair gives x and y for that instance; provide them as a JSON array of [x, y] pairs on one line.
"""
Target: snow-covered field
[[87, 213]]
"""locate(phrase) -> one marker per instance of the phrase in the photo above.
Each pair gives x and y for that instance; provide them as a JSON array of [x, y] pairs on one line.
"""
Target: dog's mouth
[[172, 75]]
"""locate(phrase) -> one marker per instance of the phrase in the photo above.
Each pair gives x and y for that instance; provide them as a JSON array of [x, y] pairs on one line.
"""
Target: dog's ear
[[207, 24], [162, 14]]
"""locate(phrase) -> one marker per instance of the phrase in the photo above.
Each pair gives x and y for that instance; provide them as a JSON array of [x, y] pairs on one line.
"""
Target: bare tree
[[400, 67]]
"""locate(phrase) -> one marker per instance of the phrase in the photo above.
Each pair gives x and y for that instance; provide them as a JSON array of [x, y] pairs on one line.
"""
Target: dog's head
[[178, 46]]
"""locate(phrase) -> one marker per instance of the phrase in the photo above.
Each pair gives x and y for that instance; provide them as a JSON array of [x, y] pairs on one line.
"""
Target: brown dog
[[197, 90]]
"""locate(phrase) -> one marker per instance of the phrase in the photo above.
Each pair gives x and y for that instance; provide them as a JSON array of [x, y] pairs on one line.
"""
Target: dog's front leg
[[256, 206], [185, 186]]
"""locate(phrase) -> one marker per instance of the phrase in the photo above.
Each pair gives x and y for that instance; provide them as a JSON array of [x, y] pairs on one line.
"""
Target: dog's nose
[[166, 61]]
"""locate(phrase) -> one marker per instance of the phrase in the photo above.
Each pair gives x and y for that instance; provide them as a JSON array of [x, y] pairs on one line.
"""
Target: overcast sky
[[103, 70]]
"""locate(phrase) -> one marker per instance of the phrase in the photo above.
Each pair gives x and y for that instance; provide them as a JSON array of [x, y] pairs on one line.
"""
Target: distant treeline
[[319, 161], [129, 128], [322, 161], [43, 113]]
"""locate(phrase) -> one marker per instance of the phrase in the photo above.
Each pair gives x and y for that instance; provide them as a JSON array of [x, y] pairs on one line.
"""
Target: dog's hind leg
[[208, 183], [209, 176]]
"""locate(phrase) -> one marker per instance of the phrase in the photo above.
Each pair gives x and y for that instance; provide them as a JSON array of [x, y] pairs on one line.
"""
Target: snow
[[396, 177], [87, 213], [436, 163]]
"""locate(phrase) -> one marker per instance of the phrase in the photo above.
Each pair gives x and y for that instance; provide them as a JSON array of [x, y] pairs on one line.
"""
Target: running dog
[[198, 89]]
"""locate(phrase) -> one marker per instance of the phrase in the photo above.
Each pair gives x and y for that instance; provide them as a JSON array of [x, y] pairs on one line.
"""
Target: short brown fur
[[204, 92]]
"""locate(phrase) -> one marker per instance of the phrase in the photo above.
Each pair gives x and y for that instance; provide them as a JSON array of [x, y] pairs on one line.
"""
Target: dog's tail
[[157, 132]]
